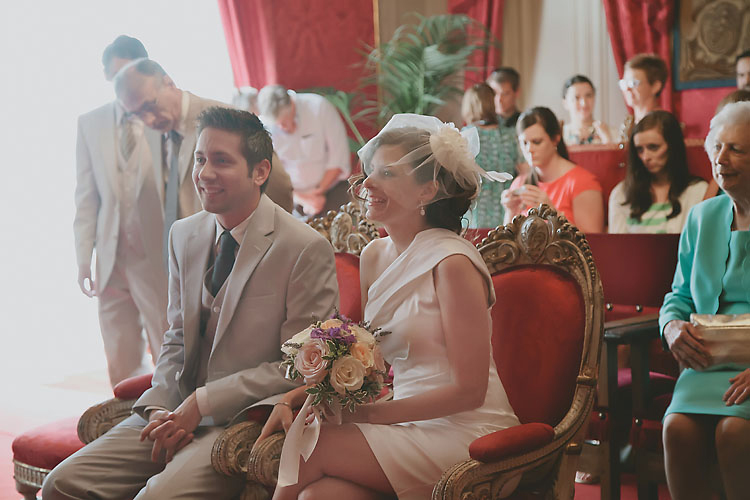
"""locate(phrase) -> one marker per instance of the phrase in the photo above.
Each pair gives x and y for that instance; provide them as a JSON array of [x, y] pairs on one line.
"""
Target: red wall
[[695, 108]]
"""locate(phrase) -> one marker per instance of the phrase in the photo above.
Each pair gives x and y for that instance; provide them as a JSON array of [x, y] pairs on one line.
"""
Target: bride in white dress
[[431, 289]]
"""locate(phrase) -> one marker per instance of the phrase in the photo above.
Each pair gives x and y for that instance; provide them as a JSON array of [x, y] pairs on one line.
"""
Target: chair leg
[[27, 491], [648, 490]]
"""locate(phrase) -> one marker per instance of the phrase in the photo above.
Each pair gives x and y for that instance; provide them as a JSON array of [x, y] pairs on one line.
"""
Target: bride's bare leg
[[342, 453], [331, 487]]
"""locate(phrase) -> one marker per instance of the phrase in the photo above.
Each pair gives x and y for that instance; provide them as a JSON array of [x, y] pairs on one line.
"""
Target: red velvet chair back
[[537, 339], [607, 162], [635, 268], [350, 294]]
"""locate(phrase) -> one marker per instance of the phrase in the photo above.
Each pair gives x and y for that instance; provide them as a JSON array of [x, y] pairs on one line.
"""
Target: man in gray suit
[[119, 212], [244, 277]]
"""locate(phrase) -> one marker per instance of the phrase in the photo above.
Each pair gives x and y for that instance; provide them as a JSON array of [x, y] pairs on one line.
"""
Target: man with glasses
[[146, 91], [642, 82], [119, 213]]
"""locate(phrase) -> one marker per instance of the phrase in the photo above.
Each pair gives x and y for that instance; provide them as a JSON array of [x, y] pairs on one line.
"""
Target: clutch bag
[[727, 338]]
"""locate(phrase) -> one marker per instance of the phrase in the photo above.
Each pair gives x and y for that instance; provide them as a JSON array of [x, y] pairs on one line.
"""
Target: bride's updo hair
[[453, 200]]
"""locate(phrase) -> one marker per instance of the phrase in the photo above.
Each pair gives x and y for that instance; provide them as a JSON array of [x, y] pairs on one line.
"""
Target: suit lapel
[[107, 140], [198, 246], [154, 142], [254, 246]]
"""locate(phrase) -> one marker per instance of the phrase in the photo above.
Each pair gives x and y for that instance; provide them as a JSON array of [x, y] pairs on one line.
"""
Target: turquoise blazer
[[702, 262]]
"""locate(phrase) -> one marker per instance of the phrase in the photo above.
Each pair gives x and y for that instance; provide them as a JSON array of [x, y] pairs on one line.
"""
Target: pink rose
[[347, 374], [309, 361]]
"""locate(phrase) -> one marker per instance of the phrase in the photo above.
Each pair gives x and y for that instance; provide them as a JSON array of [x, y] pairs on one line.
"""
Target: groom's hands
[[172, 431]]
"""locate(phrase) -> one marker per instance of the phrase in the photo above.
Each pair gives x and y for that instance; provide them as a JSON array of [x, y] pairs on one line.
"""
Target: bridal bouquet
[[341, 363], [340, 360]]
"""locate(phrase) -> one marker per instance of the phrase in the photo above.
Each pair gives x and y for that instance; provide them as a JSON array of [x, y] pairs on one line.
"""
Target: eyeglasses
[[628, 84]]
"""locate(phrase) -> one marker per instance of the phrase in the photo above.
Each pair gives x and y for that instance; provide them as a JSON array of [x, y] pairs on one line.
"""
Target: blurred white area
[[50, 55]]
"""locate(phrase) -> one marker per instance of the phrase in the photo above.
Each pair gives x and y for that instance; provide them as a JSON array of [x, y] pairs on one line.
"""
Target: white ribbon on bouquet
[[301, 439]]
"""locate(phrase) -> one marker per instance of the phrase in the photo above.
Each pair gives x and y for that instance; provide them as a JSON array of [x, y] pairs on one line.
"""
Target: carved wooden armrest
[[229, 455], [263, 464], [102, 417]]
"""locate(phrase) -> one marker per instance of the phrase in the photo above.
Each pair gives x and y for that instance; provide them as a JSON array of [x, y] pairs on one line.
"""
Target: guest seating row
[[546, 343]]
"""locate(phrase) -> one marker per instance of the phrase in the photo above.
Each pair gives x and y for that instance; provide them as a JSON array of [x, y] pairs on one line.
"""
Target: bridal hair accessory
[[341, 363], [432, 146]]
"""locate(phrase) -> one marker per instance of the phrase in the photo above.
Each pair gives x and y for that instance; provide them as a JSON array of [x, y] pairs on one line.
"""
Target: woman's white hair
[[731, 115]]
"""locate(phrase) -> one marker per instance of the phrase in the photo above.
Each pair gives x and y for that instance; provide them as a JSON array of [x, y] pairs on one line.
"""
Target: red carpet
[[628, 490]]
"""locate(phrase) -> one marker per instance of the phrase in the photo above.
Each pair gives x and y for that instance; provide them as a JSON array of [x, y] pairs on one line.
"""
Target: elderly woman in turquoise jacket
[[710, 411]]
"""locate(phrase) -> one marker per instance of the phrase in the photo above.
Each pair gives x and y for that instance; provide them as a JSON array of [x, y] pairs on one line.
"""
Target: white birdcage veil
[[431, 146]]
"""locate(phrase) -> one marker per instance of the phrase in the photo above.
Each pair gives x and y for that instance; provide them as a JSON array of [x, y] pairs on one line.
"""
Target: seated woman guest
[[658, 191], [552, 177], [498, 151], [430, 288], [710, 412], [578, 100]]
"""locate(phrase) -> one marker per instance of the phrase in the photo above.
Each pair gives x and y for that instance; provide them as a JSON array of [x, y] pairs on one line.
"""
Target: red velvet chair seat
[[48, 445], [133, 387]]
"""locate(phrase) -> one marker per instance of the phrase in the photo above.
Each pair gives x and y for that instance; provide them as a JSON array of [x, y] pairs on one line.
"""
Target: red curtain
[[297, 43], [637, 26], [490, 14]]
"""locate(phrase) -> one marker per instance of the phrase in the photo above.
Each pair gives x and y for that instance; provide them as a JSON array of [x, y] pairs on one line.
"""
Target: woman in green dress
[[498, 150], [710, 411]]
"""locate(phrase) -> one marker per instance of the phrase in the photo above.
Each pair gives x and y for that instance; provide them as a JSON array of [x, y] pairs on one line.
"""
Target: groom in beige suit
[[244, 277], [119, 212]]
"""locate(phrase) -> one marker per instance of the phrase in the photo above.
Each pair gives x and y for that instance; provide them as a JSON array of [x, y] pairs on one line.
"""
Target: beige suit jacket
[[284, 274], [279, 187], [97, 219]]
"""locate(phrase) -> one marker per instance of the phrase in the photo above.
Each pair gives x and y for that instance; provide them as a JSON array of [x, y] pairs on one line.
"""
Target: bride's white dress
[[403, 301]]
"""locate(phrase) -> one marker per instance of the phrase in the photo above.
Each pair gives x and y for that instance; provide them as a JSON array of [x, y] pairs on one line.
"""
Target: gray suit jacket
[[284, 275], [279, 187], [97, 219]]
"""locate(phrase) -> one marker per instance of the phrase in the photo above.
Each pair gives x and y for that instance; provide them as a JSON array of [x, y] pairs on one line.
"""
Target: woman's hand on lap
[[739, 390]]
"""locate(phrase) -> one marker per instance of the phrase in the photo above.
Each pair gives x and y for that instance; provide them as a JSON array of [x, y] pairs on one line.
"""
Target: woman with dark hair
[[498, 151], [430, 288], [658, 191], [552, 178], [578, 99]]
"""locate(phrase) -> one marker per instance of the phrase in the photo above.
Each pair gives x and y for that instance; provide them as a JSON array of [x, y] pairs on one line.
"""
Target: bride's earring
[[421, 210]]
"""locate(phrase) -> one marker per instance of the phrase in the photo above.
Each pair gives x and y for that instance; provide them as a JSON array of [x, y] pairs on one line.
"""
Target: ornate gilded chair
[[547, 334], [349, 233]]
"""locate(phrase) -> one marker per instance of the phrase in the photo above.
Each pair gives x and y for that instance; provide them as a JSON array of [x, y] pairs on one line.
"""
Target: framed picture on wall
[[708, 36]]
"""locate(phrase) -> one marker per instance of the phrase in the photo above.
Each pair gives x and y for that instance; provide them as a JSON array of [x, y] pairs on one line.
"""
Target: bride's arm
[[462, 295]]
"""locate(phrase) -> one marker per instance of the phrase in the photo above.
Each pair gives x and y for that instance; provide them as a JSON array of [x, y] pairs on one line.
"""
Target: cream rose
[[362, 335], [363, 353], [331, 323], [309, 361], [347, 373], [299, 338]]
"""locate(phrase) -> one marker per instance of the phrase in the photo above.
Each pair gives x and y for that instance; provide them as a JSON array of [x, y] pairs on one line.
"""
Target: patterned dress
[[498, 150]]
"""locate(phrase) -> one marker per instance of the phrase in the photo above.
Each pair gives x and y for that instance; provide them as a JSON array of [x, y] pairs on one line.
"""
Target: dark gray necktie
[[224, 262], [127, 139], [171, 199]]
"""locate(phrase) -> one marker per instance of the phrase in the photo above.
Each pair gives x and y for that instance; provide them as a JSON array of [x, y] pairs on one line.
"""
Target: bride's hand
[[280, 418]]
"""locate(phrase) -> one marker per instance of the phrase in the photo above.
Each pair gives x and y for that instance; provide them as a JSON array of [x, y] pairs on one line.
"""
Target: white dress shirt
[[319, 142]]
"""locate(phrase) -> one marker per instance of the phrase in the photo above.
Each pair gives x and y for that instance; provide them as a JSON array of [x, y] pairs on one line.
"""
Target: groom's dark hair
[[256, 141]]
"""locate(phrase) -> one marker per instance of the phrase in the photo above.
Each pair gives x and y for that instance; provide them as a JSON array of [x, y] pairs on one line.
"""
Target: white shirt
[[318, 144]]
